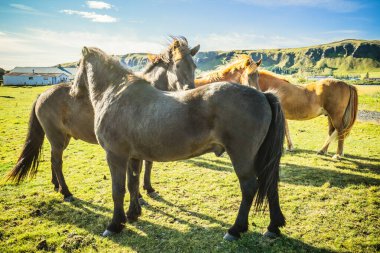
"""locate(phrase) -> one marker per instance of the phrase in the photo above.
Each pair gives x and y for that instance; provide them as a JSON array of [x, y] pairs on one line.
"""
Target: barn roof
[[35, 74], [45, 70]]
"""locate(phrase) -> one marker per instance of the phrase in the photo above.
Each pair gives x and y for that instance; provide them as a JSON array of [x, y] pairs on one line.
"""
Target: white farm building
[[38, 75]]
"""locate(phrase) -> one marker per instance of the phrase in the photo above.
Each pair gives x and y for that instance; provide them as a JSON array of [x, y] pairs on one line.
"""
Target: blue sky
[[47, 32]]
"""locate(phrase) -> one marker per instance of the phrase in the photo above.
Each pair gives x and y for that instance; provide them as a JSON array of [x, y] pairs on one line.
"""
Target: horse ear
[[176, 44], [195, 50], [85, 51], [258, 62]]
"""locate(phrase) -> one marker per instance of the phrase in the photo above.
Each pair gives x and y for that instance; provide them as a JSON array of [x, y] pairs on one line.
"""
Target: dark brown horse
[[135, 122], [61, 115]]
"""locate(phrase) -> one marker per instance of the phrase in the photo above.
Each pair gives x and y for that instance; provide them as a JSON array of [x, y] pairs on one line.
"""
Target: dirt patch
[[74, 241], [371, 116]]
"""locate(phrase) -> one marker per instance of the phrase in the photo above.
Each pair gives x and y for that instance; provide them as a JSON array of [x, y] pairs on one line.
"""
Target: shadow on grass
[[307, 175], [147, 236], [192, 213], [362, 164], [216, 164]]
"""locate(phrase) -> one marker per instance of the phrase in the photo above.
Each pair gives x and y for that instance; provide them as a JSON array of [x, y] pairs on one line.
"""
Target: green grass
[[330, 205]]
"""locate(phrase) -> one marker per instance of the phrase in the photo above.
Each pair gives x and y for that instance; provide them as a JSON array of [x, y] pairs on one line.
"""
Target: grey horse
[[135, 122]]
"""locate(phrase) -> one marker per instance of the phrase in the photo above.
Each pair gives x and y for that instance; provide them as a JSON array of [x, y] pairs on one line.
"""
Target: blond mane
[[238, 62], [177, 45]]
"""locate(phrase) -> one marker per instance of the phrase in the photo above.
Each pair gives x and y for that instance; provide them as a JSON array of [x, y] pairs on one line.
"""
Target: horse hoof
[[107, 233], [321, 152], [153, 194], [291, 149], [56, 189], [142, 202], [69, 198], [230, 238], [336, 157], [271, 235], [132, 219]]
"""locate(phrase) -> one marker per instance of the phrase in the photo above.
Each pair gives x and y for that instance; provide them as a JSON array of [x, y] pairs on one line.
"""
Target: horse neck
[[157, 76], [294, 98], [105, 80], [267, 82], [202, 81], [218, 77]]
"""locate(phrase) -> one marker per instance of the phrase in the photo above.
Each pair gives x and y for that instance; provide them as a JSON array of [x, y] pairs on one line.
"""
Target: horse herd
[[165, 114]]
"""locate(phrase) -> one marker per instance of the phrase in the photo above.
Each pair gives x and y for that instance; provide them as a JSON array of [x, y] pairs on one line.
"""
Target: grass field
[[330, 206]]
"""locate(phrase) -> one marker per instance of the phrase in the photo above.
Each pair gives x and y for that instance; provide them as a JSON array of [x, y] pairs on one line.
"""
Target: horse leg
[[248, 186], [288, 139], [339, 153], [56, 167], [133, 172], [54, 180], [277, 219], [147, 184], [328, 140], [118, 167], [244, 167]]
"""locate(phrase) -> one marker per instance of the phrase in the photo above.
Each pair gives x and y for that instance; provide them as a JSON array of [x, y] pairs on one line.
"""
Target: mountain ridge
[[344, 57]]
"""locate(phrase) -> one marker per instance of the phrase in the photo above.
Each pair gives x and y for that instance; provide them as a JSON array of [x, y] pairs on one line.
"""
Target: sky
[[48, 32]]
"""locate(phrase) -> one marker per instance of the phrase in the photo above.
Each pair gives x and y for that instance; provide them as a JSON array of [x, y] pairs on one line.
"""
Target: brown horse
[[242, 70], [135, 122], [61, 115], [335, 99]]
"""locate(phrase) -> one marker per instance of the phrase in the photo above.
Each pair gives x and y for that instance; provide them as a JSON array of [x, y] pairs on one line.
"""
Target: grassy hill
[[346, 57]]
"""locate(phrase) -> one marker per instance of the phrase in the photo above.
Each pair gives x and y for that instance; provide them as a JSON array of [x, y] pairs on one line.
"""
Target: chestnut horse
[[333, 98], [61, 115], [242, 70], [134, 122]]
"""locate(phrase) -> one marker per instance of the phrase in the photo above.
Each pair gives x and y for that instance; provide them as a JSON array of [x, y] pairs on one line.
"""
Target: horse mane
[[175, 42], [79, 89], [235, 64]]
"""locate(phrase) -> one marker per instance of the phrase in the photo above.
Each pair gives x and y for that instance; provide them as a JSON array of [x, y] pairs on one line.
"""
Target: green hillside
[[347, 57]]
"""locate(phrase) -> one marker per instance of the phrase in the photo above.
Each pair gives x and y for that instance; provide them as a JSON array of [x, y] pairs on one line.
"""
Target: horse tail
[[351, 111], [29, 159], [267, 161]]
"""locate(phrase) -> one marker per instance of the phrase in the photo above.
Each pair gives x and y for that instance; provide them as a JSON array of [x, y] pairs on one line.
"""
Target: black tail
[[29, 159], [267, 162]]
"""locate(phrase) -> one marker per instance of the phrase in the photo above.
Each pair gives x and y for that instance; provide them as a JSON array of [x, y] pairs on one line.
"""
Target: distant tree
[[2, 72], [366, 75]]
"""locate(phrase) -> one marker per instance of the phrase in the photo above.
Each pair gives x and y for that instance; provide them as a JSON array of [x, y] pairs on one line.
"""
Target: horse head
[[178, 63], [251, 74]]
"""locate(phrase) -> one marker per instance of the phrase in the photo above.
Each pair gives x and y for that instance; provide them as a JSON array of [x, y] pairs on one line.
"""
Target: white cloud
[[39, 47], [94, 17], [23, 7], [332, 5], [98, 5]]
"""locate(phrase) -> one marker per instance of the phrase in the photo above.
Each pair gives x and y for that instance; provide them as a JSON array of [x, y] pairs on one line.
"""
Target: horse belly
[[178, 148]]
